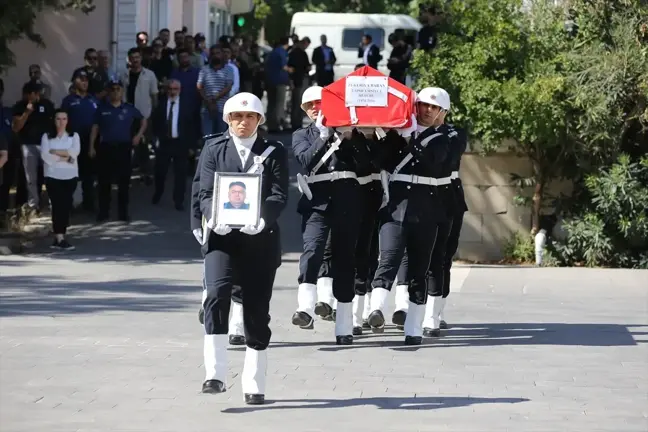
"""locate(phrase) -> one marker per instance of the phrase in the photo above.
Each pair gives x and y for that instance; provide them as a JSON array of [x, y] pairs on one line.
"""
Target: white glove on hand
[[407, 132], [222, 229], [324, 131], [198, 234], [252, 230]]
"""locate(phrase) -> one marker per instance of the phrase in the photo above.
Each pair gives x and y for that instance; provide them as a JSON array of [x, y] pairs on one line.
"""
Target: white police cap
[[435, 96], [311, 94], [243, 102]]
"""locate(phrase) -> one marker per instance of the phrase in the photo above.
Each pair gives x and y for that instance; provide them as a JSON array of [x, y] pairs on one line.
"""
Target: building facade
[[112, 26]]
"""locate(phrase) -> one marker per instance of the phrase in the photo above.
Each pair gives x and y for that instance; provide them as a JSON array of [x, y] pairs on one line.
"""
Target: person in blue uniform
[[409, 216], [249, 255], [236, 328], [81, 108], [111, 143], [331, 203]]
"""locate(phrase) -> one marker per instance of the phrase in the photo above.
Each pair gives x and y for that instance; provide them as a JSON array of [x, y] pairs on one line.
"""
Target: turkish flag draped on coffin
[[367, 98]]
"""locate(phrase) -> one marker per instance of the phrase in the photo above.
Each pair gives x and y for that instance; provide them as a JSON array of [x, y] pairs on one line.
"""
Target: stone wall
[[492, 217]]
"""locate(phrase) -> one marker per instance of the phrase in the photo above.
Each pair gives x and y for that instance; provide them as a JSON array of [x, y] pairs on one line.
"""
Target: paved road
[[107, 339]]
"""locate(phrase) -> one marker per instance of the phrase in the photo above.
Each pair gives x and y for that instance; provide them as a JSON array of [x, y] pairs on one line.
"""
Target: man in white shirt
[[231, 63], [176, 132]]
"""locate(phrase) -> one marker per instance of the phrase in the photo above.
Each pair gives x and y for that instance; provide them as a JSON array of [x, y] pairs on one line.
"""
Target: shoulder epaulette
[[213, 139]]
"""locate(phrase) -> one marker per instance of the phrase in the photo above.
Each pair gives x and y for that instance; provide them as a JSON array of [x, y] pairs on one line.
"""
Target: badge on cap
[[244, 103]]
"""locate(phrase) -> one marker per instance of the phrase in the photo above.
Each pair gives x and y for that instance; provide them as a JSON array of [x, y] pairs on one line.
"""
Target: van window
[[351, 38]]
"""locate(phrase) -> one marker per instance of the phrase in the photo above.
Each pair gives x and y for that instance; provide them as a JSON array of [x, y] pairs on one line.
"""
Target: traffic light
[[239, 23]]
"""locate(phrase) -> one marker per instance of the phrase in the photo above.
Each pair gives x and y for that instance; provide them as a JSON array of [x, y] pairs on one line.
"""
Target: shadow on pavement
[[159, 233], [387, 403], [39, 296]]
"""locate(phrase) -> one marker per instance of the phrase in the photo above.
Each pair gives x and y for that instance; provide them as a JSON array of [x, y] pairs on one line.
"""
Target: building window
[[158, 19], [219, 24], [352, 38]]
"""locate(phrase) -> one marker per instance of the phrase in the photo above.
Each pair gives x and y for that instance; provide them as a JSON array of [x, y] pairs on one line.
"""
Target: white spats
[[402, 298], [306, 298], [367, 306], [215, 357], [253, 378], [204, 297], [432, 312], [378, 299], [358, 308], [325, 291], [236, 320], [344, 319], [442, 308], [414, 321]]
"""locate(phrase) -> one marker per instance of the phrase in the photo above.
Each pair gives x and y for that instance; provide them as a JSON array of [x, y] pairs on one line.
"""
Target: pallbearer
[[409, 216], [251, 254], [330, 204], [439, 281]]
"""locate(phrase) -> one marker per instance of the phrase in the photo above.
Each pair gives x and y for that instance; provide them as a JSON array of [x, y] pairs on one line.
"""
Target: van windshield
[[352, 37]]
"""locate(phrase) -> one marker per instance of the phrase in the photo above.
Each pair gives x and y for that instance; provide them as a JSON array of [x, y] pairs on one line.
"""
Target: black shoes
[[413, 340], [430, 332], [236, 340], [376, 321], [213, 387], [443, 325], [357, 331], [324, 311], [344, 340], [62, 245], [254, 399], [303, 320]]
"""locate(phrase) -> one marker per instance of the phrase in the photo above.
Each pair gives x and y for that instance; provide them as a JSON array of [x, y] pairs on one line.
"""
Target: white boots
[[358, 309], [236, 327], [306, 298], [376, 318], [432, 321], [402, 305], [414, 324], [253, 378], [215, 360], [326, 302], [344, 324]]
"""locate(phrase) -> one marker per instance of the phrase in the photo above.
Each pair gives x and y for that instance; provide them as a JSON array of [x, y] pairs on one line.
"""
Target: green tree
[[17, 20]]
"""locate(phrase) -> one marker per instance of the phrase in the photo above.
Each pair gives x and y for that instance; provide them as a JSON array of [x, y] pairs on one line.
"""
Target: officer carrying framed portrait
[[237, 198]]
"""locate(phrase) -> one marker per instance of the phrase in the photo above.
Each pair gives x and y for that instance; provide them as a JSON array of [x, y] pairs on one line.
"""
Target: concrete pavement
[[106, 339]]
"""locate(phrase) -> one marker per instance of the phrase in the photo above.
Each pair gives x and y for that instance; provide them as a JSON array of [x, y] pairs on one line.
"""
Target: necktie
[[242, 152], [170, 120]]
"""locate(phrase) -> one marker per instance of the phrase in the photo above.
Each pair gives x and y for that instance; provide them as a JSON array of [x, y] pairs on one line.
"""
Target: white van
[[345, 30]]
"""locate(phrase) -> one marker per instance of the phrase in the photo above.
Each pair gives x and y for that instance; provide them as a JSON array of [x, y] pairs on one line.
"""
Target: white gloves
[[252, 230], [407, 132], [198, 234], [324, 131], [219, 229]]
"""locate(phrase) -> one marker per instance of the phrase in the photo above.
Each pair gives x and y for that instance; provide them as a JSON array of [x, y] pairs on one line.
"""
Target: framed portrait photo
[[237, 199]]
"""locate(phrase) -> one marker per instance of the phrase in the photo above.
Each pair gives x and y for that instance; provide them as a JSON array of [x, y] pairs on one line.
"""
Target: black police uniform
[[409, 221], [196, 223], [113, 160], [81, 114], [366, 252], [252, 259], [335, 208]]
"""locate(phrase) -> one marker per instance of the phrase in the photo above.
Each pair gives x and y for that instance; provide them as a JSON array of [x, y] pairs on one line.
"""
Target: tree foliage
[[17, 19]]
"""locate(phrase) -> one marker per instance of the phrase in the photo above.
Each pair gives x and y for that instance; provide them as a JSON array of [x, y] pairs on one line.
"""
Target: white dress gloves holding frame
[[225, 229]]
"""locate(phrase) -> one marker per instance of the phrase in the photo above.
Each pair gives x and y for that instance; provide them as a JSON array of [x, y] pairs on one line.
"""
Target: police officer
[[81, 108], [366, 252], [438, 107], [236, 328], [113, 122], [330, 204], [409, 216], [439, 273], [249, 256]]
